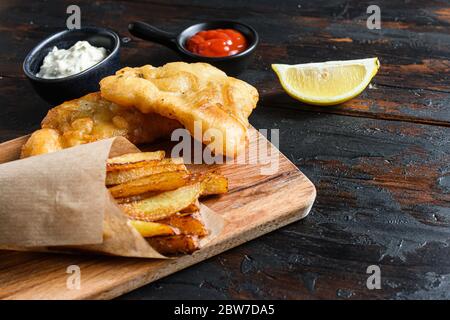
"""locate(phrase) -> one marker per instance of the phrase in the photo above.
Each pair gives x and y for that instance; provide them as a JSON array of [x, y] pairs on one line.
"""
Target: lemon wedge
[[326, 83]]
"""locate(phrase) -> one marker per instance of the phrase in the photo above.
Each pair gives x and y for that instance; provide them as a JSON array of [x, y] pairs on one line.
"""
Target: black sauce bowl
[[59, 90], [232, 65]]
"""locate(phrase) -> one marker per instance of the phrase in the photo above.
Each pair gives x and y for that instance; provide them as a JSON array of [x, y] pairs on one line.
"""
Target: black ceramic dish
[[59, 90], [232, 65]]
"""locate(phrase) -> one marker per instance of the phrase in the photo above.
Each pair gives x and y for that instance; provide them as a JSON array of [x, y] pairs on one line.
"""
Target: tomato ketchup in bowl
[[217, 43], [227, 45]]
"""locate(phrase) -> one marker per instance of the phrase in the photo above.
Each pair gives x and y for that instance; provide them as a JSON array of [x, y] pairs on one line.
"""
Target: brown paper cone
[[59, 202]]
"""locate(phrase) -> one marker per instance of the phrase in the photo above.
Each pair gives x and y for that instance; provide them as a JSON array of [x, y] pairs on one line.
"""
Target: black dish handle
[[145, 31]]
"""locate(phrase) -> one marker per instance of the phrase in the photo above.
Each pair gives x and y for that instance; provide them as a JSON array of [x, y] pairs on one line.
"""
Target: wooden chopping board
[[256, 204]]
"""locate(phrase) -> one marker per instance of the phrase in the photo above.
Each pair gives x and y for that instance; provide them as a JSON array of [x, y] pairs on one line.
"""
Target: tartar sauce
[[60, 63]]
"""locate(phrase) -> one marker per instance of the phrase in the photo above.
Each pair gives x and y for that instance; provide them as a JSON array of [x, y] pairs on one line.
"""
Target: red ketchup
[[217, 43]]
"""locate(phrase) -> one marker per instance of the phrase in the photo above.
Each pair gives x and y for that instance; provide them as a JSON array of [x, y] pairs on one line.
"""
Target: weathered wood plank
[[309, 33], [392, 213], [256, 203], [383, 199], [21, 116], [412, 85]]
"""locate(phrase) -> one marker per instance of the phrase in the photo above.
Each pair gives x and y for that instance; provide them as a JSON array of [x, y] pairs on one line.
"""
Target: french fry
[[212, 183], [160, 198], [138, 197], [164, 181], [133, 160], [131, 165], [122, 176], [173, 245], [186, 224], [193, 207], [136, 157], [152, 229], [162, 205], [139, 164]]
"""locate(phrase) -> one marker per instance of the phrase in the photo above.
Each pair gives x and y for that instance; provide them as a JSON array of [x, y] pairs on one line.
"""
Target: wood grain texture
[[382, 199], [412, 85], [380, 161], [255, 204]]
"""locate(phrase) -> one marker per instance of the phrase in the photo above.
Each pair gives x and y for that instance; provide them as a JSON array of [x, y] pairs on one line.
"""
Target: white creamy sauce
[[60, 63]]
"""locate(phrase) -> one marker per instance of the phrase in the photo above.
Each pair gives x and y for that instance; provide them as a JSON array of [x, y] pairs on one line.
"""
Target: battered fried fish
[[193, 94], [91, 118]]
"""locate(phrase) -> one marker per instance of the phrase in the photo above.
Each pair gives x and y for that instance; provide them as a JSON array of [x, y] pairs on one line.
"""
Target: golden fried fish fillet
[[91, 118], [193, 94]]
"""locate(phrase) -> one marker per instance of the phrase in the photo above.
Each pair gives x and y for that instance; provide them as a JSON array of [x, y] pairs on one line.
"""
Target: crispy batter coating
[[91, 118], [189, 93], [42, 141]]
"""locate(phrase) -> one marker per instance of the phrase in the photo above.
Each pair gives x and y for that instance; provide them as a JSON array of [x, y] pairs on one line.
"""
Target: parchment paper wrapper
[[59, 202]]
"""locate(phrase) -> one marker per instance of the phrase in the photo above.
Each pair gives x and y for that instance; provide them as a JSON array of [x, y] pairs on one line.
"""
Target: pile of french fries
[[160, 198]]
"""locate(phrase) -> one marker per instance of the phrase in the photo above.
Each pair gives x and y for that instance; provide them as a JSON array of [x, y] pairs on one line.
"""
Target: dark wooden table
[[381, 162]]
